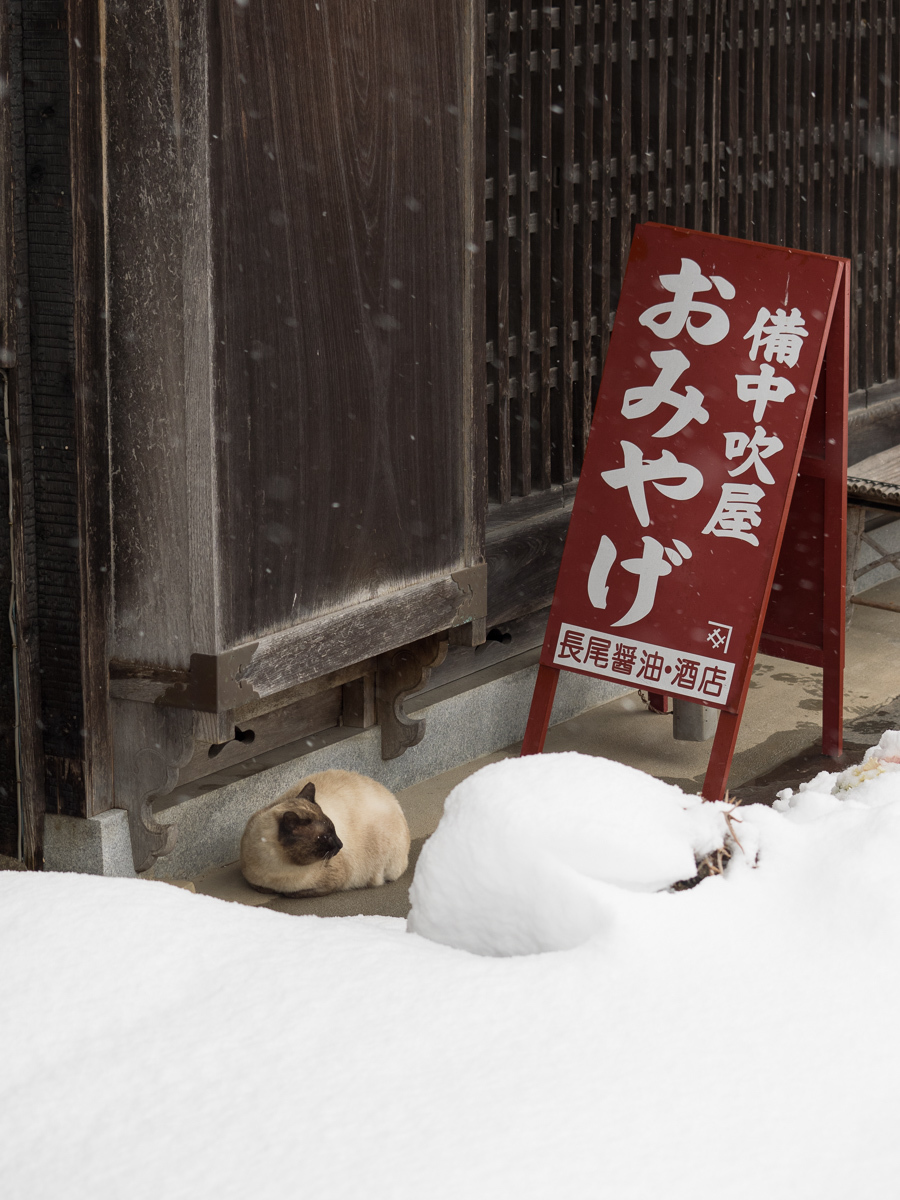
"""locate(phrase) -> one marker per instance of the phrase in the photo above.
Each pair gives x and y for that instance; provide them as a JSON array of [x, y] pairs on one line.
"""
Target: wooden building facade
[[304, 307]]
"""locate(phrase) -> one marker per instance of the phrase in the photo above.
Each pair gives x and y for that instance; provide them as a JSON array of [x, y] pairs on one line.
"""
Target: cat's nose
[[336, 843]]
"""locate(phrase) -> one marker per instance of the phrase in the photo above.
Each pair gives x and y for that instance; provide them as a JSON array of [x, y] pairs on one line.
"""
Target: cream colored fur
[[368, 820]]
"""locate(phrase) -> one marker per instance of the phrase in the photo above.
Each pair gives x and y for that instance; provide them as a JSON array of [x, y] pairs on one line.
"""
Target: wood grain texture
[[330, 642], [564, 244], [473, 321], [498, 142], [358, 703], [266, 732], [543, 118], [91, 399], [155, 184], [523, 562], [584, 265], [22, 781], [340, 242], [9, 770], [520, 292]]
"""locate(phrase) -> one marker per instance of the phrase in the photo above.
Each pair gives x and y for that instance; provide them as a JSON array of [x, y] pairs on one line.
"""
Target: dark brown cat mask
[[305, 832]]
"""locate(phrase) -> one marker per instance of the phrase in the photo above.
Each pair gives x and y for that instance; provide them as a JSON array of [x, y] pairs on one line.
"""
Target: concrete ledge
[[100, 845], [464, 722]]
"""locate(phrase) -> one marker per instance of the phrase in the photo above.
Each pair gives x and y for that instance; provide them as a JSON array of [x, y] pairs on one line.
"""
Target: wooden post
[[834, 623]]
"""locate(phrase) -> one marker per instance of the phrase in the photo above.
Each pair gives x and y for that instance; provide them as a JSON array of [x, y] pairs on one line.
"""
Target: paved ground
[[777, 747]]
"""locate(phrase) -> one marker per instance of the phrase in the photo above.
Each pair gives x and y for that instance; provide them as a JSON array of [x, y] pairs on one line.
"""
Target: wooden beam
[[86, 66]]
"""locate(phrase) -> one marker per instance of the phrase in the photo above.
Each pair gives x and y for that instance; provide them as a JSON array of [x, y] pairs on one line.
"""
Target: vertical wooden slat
[[810, 107], [475, 118], [826, 82], [644, 65], [851, 234], [894, 237], [749, 160], [607, 44], [731, 131], [874, 153], [626, 178], [492, 439], [714, 31], [867, 181], [521, 440], [680, 81], [91, 401], [763, 129], [564, 265], [585, 262], [795, 60], [779, 125], [546, 235], [839, 148], [793, 108], [699, 147], [661, 108], [501, 238], [22, 813], [886, 174]]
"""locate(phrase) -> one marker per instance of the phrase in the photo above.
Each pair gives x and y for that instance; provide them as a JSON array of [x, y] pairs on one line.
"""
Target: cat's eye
[[304, 820]]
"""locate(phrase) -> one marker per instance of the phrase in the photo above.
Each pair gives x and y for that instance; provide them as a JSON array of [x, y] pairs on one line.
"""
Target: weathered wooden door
[[291, 301]]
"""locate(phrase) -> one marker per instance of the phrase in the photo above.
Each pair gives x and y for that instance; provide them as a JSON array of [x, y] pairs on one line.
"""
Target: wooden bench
[[873, 500]]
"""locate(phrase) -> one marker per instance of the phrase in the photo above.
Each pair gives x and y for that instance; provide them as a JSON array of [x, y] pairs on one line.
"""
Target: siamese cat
[[331, 832]]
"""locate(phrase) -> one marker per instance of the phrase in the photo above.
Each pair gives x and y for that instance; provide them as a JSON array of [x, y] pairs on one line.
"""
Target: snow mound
[[531, 852], [870, 783]]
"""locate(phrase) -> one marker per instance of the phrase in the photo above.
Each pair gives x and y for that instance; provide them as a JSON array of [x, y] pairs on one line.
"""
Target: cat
[[331, 832]]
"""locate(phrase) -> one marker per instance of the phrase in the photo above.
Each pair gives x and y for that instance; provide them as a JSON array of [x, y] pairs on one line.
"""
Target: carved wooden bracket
[[151, 744], [400, 674]]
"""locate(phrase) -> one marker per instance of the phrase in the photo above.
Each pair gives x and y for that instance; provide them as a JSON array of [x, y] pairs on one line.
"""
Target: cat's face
[[306, 834]]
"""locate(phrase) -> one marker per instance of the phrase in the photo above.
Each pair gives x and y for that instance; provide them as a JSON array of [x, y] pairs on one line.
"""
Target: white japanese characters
[[780, 336], [695, 676], [649, 568], [664, 408], [644, 401], [762, 389], [638, 471], [669, 319], [757, 448], [737, 512]]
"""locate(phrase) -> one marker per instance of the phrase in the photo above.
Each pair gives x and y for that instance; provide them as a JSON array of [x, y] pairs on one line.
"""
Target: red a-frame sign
[[710, 514]]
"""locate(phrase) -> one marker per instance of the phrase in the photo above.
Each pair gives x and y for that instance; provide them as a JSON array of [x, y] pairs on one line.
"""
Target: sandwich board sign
[[709, 518]]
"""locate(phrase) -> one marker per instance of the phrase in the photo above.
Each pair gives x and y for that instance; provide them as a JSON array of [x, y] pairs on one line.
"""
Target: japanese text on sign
[[747, 453], [655, 667]]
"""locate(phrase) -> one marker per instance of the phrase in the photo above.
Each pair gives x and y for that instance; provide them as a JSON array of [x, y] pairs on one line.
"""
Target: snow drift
[[740, 1037], [530, 852]]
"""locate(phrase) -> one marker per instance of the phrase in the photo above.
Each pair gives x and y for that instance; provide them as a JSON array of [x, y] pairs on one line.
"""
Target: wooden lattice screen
[[775, 120]]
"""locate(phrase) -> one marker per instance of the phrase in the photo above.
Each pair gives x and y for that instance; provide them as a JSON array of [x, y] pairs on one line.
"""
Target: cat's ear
[[308, 793]]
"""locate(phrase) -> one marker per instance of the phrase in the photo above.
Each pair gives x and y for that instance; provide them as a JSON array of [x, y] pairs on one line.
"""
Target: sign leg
[[541, 708], [722, 753], [837, 354], [832, 711]]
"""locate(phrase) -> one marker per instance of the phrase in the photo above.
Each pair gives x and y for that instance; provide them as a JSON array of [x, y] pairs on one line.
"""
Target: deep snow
[[739, 1039]]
